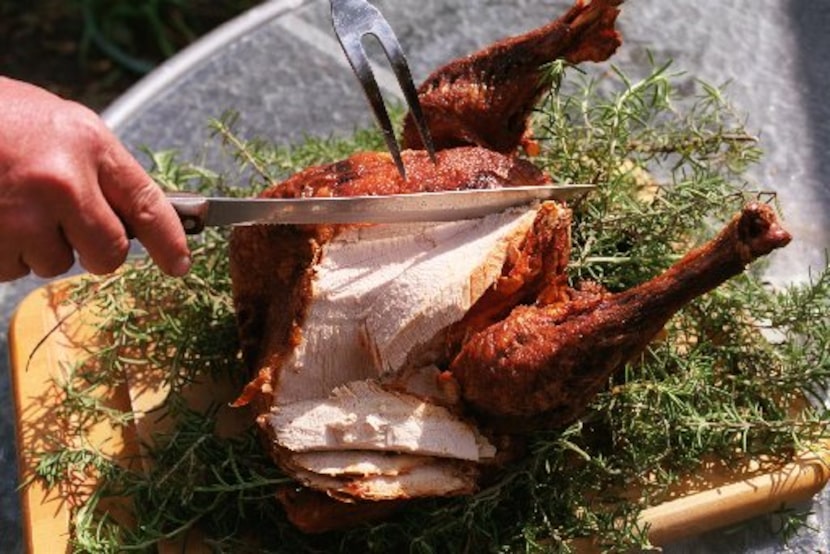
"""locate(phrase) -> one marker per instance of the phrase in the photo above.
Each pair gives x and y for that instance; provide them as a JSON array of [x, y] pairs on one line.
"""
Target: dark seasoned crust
[[486, 98], [554, 359], [272, 265], [375, 173], [534, 274], [314, 512]]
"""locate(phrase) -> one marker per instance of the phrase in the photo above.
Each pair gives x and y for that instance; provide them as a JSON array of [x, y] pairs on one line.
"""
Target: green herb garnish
[[721, 383]]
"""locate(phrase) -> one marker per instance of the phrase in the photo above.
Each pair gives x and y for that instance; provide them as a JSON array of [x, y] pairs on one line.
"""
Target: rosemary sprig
[[721, 383]]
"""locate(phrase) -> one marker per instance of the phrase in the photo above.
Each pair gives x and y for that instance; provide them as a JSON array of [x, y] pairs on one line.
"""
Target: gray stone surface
[[287, 79]]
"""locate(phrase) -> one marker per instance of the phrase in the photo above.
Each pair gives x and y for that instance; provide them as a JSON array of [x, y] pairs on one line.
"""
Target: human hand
[[67, 186]]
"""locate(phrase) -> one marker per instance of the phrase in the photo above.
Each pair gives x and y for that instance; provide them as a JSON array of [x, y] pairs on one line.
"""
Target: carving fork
[[353, 20]]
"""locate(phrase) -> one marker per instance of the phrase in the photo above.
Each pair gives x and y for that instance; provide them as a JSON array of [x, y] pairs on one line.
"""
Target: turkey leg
[[552, 360]]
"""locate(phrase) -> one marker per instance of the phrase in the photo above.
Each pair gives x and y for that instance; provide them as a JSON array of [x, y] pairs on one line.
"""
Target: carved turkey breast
[[384, 356]]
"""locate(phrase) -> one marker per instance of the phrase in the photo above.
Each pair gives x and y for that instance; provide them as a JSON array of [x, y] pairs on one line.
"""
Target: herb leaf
[[720, 384]]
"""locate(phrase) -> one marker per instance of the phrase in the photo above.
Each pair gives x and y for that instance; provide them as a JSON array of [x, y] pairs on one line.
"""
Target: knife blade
[[196, 211]]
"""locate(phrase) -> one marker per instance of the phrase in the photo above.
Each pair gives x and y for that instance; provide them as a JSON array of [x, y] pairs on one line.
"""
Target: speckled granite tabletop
[[280, 68]]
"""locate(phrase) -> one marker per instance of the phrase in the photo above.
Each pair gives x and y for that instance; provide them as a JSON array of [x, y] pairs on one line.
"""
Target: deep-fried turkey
[[552, 359], [271, 265], [360, 363], [486, 98]]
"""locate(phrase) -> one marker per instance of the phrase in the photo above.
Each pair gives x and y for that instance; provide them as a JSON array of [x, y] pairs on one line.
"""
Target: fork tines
[[353, 20]]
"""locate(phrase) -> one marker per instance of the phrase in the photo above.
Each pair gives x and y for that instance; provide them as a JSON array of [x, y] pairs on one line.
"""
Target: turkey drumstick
[[552, 360]]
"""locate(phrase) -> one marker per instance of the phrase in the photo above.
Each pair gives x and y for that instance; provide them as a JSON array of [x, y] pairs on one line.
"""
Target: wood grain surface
[[46, 339]]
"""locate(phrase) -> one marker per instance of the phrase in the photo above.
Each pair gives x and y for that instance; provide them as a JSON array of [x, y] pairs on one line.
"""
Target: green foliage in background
[[137, 35]]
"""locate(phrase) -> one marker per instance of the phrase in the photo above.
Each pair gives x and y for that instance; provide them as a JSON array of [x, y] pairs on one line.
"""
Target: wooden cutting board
[[45, 339]]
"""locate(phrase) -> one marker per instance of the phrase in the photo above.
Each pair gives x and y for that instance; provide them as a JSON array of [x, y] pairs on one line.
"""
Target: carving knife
[[197, 212]]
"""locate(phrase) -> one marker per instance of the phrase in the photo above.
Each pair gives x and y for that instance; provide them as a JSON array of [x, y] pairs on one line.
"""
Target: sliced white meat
[[357, 463], [363, 416], [439, 478], [382, 291]]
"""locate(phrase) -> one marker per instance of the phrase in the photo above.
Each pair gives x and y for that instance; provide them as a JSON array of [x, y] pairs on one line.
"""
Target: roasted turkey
[[549, 359], [386, 359]]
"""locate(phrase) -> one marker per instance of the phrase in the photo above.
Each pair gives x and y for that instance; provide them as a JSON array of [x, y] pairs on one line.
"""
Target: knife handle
[[191, 209]]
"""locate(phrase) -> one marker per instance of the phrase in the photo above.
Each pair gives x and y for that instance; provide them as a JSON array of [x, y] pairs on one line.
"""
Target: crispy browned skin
[[272, 270], [376, 173], [313, 512], [486, 98], [483, 100], [535, 271], [554, 359], [272, 265]]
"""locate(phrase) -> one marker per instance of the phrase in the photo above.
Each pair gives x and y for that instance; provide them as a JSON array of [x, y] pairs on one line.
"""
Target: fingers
[[67, 180], [144, 209], [96, 233], [119, 195], [35, 246], [11, 265], [52, 257], [60, 203], [47, 212]]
